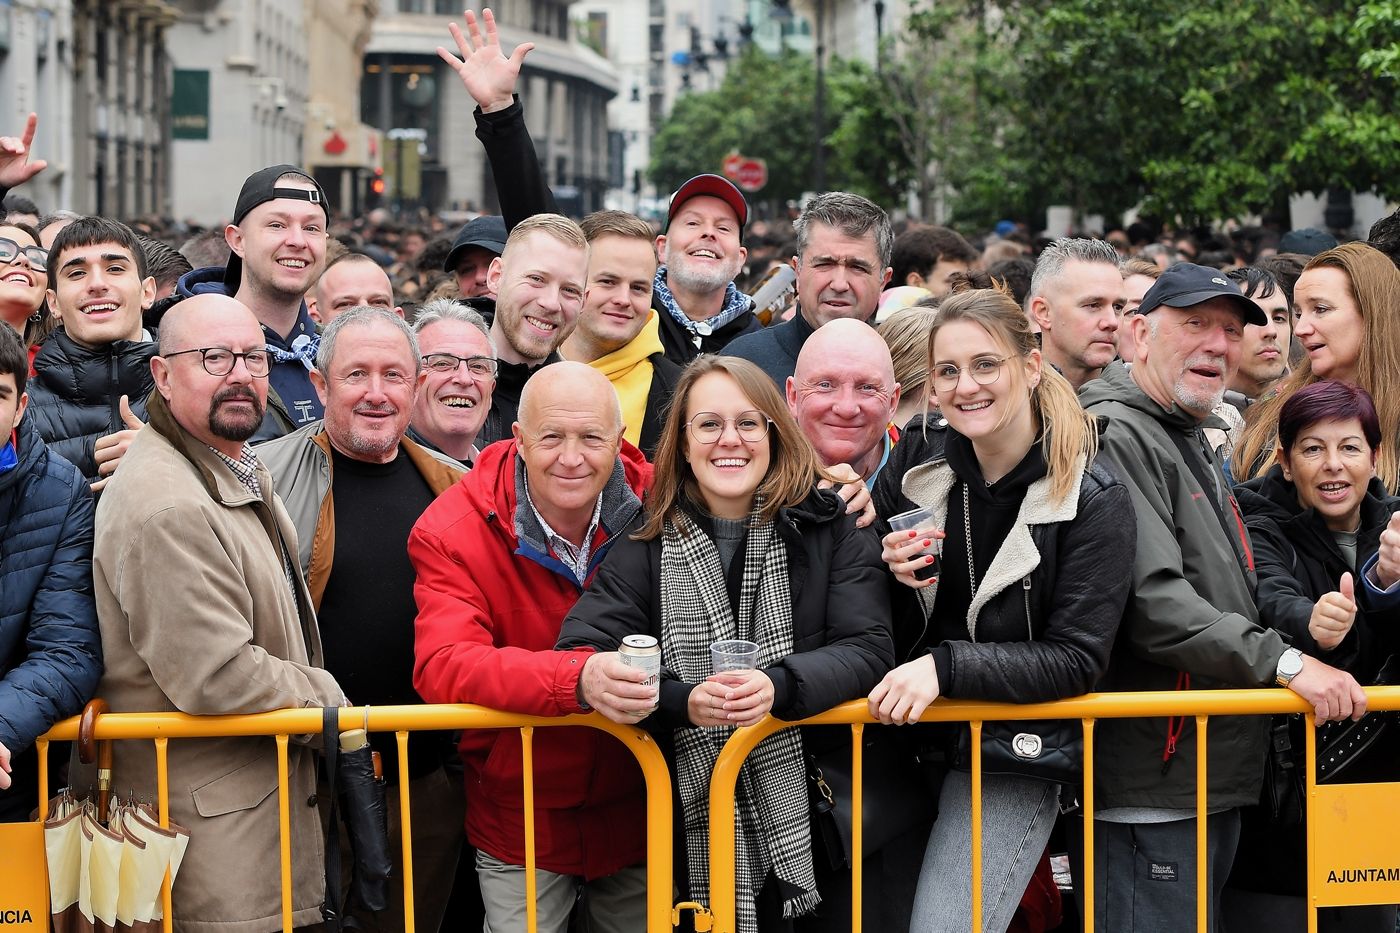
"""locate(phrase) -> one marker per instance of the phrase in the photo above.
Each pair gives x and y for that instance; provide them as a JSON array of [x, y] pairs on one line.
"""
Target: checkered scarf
[[771, 819], [735, 304]]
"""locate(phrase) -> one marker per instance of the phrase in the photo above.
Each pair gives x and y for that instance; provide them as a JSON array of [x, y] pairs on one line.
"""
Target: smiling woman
[[1316, 519], [739, 543], [22, 280]]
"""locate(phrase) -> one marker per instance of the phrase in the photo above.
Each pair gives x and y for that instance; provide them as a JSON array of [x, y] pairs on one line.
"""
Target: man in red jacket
[[501, 558]]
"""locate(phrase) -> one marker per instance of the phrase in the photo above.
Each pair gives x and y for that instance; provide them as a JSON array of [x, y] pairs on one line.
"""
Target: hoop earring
[[37, 317]]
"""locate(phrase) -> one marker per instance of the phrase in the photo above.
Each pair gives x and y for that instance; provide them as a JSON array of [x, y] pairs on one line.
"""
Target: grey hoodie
[[1191, 608]]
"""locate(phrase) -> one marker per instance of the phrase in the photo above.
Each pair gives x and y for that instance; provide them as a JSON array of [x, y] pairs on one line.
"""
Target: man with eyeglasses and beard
[[202, 610]]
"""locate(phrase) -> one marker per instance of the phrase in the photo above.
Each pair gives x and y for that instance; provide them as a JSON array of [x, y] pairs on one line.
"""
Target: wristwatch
[[1290, 664]]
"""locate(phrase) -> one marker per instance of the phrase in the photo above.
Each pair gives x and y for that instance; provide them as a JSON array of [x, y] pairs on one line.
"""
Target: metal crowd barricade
[[281, 725], [1202, 704]]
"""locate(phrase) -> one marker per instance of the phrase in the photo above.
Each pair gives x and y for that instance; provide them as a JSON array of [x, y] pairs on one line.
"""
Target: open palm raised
[[488, 75]]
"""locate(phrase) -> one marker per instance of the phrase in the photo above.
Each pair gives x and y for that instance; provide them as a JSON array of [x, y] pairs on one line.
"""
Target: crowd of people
[[309, 461]]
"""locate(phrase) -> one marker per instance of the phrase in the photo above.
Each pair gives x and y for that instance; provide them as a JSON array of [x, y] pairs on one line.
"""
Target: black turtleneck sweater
[[994, 510]]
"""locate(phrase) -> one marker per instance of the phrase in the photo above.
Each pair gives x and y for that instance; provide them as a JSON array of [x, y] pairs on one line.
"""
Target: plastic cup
[[733, 655], [920, 519]]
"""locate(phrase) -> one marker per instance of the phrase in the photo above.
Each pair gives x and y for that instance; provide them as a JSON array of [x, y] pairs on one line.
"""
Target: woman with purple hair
[[1316, 519]]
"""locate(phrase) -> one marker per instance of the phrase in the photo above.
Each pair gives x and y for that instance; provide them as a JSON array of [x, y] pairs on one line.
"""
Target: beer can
[[644, 652]]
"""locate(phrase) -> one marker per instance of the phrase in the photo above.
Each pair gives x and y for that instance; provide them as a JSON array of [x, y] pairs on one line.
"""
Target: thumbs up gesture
[[1387, 569], [110, 449], [1333, 615]]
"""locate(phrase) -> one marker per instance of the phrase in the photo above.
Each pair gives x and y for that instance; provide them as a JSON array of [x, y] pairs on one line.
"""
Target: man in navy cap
[[1191, 621], [278, 244], [480, 240]]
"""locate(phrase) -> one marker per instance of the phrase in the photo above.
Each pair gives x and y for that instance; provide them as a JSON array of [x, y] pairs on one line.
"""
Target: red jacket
[[490, 606]]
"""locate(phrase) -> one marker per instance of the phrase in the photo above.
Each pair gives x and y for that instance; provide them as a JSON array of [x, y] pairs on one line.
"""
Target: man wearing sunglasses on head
[[93, 375]]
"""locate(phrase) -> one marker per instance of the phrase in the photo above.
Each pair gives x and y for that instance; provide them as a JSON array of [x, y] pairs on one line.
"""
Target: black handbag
[[900, 792], [356, 786], [1050, 750], [1341, 744]]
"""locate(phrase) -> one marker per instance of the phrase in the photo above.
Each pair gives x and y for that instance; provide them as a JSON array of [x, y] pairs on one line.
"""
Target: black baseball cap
[[1186, 284], [259, 188], [714, 186], [487, 231]]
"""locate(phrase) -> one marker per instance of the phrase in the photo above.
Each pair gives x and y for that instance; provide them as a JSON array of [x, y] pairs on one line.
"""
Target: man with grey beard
[[1191, 621], [699, 307], [353, 486]]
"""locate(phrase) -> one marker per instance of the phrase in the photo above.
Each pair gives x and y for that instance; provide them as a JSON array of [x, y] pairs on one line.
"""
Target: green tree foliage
[[763, 109]]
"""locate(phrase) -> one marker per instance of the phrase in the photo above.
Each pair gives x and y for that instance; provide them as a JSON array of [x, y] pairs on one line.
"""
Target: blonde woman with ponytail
[[1037, 552]]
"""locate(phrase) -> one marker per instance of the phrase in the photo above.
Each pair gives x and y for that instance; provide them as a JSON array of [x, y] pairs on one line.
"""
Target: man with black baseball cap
[[480, 240], [278, 244], [698, 305], [1191, 621]]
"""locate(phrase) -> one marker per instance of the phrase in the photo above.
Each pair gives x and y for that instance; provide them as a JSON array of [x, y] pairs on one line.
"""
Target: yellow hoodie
[[629, 370]]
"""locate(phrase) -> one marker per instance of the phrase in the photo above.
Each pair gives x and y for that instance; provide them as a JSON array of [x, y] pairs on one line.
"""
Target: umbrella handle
[[90, 750]]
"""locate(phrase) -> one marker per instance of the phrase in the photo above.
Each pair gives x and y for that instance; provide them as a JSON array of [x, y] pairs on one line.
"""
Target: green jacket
[[1191, 608]]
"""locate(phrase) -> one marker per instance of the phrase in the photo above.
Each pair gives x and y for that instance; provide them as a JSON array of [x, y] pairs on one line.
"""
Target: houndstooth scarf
[[771, 819]]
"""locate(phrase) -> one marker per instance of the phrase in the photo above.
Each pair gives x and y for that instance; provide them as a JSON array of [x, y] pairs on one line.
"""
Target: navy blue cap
[[1186, 284], [487, 231]]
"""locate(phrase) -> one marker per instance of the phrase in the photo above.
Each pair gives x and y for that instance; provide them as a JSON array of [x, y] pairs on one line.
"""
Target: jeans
[[1017, 816], [1145, 873], [616, 903]]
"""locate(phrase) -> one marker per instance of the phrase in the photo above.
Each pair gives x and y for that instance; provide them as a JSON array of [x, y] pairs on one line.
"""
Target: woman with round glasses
[[739, 543], [23, 280], [1037, 549]]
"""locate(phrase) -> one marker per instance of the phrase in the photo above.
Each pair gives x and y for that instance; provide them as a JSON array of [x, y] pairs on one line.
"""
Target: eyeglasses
[[483, 367], [10, 251], [708, 427], [219, 361], [984, 372]]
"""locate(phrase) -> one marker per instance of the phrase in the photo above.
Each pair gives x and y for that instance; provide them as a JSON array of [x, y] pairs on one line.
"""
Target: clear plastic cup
[[916, 520], [733, 654]]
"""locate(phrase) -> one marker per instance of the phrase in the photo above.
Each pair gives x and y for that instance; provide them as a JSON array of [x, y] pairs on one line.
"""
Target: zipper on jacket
[[1026, 596], [116, 400]]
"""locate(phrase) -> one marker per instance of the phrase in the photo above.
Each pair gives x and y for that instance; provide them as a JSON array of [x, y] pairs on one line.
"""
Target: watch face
[[1290, 664]]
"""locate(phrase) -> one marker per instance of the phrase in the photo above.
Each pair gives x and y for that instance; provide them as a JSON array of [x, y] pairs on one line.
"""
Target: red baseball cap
[[715, 186]]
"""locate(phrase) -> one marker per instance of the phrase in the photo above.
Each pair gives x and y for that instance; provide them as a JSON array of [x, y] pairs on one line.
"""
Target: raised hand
[[488, 75], [15, 167], [1334, 615]]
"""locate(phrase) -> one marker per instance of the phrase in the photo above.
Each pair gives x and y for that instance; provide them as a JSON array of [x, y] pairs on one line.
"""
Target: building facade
[[341, 152], [96, 73], [240, 87], [432, 156]]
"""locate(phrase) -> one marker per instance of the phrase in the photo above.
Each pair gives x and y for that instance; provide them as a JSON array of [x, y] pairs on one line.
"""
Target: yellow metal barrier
[[1202, 704], [282, 724]]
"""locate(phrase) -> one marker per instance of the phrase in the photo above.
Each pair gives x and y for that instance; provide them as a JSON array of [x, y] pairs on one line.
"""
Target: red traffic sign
[[731, 165], [752, 174]]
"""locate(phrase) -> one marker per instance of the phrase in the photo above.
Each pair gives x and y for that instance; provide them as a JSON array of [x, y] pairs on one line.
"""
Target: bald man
[[202, 610], [501, 558], [843, 395]]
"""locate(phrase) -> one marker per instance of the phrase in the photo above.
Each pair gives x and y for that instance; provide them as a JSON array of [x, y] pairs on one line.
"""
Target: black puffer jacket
[[1063, 573], [1298, 562], [510, 382], [75, 395], [840, 612]]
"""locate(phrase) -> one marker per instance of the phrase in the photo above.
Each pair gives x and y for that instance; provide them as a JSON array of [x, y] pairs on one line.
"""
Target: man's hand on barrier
[[1334, 694], [1387, 568], [4, 767], [853, 490], [488, 75], [906, 692], [615, 688], [1333, 615]]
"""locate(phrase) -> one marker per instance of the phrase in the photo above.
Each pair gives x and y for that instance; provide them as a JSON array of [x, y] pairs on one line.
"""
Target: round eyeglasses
[[219, 361], [483, 367], [984, 372], [10, 251], [708, 427]]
